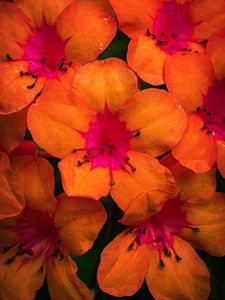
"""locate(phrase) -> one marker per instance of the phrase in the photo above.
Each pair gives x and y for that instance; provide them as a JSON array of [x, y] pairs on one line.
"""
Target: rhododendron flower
[[160, 249], [36, 244], [12, 199], [47, 42], [191, 79], [159, 29], [106, 134]]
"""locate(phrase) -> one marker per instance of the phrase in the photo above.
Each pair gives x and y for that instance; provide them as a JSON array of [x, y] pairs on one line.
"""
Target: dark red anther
[[209, 113], [198, 109], [133, 169], [196, 229], [58, 241], [112, 182], [131, 246], [196, 51], [130, 230], [70, 63], [65, 68], [41, 270], [61, 256], [38, 95], [5, 249], [127, 159], [29, 252], [204, 127], [159, 42], [148, 33], [210, 131], [154, 36], [79, 163], [139, 230], [204, 41], [162, 264], [32, 85], [33, 75], [9, 260], [137, 133], [138, 240], [9, 57], [167, 252], [178, 258], [57, 251]]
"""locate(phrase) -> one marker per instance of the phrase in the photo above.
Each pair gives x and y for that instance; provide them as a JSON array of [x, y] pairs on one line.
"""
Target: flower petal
[[11, 194], [187, 279], [15, 94], [188, 183], [20, 277], [42, 9], [150, 185], [147, 60], [189, 77], [121, 271], [135, 17], [161, 124], [215, 49], [12, 130], [207, 213], [87, 27], [82, 181], [37, 179], [60, 118], [196, 150], [107, 81], [63, 283], [78, 222], [220, 159]]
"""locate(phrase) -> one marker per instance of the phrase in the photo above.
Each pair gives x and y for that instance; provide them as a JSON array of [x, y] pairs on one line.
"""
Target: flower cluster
[[81, 129]]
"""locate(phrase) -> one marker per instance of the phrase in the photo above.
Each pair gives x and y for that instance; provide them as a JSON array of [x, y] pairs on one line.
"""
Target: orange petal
[[37, 179], [15, 28], [188, 183], [186, 279], [11, 194], [207, 213], [14, 92], [63, 283], [81, 181], [42, 9], [220, 157], [12, 130], [162, 122], [60, 118], [20, 277], [189, 77], [78, 222], [121, 271], [107, 6], [87, 27], [8, 236], [196, 150], [215, 49], [135, 17], [147, 60], [107, 81], [149, 186]]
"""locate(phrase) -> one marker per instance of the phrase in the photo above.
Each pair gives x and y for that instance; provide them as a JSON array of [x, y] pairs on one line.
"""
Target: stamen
[[148, 33], [167, 252], [154, 36], [159, 42], [198, 109], [204, 127], [61, 256], [178, 258], [204, 41], [41, 270], [196, 229], [9, 57], [162, 264], [131, 246]]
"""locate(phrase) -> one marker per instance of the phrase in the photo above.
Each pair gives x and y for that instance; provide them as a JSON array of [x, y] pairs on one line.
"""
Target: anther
[[148, 33], [131, 246], [178, 258], [41, 270], [167, 252], [58, 241], [9, 260], [210, 131], [112, 182], [154, 36], [38, 95], [209, 113], [198, 109], [29, 252], [5, 249], [65, 68], [204, 127], [22, 73], [9, 57], [55, 253], [130, 230], [61, 257], [31, 86], [133, 169], [79, 163], [70, 63], [33, 75], [139, 230], [162, 264], [127, 159], [196, 229], [138, 240], [196, 51], [204, 41], [159, 42], [137, 133]]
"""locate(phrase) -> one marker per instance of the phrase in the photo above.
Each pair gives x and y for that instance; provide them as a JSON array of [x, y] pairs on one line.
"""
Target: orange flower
[[12, 199], [47, 42], [159, 29], [30, 252], [191, 79], [106, 134], [160, 249]]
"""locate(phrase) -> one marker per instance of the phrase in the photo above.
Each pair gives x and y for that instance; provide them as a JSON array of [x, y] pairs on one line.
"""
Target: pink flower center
[[172, 29], [107, 143], [45, 54], [160, 228], [37, 236], [212, 112]]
